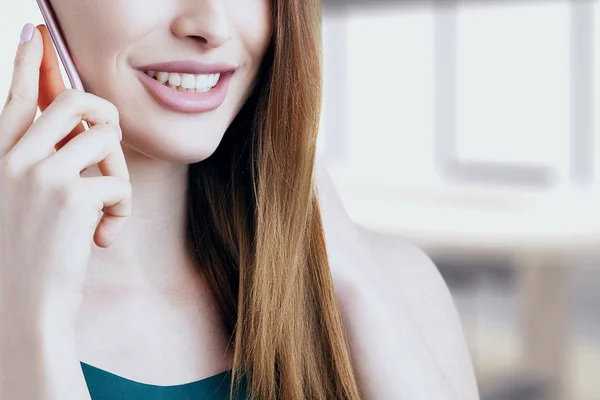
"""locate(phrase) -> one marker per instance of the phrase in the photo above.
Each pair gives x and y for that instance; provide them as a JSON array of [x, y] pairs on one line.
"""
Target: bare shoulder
[[410, 276]]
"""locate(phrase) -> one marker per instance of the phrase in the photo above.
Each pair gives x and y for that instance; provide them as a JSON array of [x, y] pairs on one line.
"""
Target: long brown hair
[[255, 229]]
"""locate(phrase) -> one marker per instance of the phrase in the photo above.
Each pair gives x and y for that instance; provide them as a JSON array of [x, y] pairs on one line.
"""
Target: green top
[[104, 385]]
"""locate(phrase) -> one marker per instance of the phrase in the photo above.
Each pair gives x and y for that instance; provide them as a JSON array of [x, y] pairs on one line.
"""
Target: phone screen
[[60, 44]]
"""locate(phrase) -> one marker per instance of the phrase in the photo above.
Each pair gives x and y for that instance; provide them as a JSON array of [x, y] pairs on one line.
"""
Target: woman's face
[[113, 41]]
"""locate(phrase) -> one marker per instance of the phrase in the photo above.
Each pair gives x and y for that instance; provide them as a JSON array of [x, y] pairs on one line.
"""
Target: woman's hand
[[48, 213]]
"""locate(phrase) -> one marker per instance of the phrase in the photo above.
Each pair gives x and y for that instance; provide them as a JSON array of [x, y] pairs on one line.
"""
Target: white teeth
[[186, 82], [206, 82], [174, 79], [203, 81], [162, 77]]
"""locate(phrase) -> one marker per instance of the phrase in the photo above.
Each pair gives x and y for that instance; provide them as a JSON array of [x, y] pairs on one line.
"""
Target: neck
[[150, 250]]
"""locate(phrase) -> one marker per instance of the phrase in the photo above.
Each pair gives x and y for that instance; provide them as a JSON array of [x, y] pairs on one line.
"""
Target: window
[[496, 91]]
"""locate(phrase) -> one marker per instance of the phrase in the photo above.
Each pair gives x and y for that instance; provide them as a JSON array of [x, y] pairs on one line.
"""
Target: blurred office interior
[[470, 128]]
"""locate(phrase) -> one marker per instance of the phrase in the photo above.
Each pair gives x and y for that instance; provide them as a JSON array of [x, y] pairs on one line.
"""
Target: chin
[[162, 134], [181, 143]]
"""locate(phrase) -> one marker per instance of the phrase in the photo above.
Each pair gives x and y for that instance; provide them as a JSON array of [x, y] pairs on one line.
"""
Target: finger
[[21, 104], [61, 117], [98, 145], [114, 196], [51, 80]]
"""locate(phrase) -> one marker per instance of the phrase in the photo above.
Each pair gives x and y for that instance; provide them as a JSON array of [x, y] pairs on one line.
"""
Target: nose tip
[[206, 22], [212, 39]]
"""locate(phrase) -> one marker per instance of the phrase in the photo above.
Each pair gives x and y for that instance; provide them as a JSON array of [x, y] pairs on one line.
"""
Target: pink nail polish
[[26, 33]]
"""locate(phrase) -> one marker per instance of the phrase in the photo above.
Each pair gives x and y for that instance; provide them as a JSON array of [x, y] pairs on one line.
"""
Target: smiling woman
[[224, 262]]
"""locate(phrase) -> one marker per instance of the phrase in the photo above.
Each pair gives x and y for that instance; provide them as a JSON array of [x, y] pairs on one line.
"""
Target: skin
[[158, 286], [132, 288], [143, 310]]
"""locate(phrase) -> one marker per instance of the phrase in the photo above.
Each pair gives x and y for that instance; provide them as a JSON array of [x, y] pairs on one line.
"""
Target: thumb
[[21, 104], [24, 85]]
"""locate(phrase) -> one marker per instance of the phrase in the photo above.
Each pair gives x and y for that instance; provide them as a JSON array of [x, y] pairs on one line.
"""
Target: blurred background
[[470, 128]]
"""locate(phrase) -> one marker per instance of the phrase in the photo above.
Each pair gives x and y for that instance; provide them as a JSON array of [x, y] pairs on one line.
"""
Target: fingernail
[[26, 33], [120, 133]]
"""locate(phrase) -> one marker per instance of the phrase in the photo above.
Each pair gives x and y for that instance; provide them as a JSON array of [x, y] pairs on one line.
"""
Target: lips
[[182, 101], [187, 102], [189, 67]]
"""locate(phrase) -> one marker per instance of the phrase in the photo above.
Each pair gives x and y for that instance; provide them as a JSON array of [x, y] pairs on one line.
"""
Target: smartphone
[[60, 44]]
